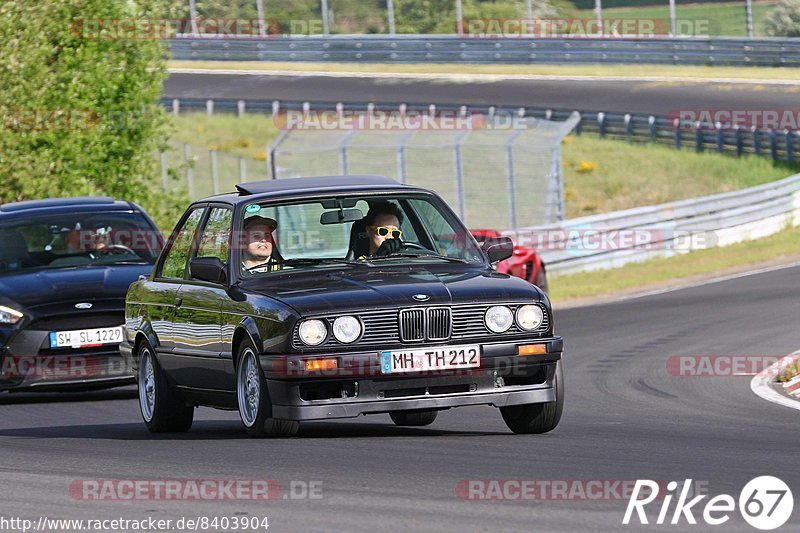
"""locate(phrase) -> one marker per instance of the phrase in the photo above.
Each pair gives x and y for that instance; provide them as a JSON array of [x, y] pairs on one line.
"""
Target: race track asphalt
[[626, 417], [629, 96]]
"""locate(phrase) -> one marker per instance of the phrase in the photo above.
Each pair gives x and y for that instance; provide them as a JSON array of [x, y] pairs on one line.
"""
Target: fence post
[[326, 27], [789, 146], [459, 18], [628, 127], [720, 138], [773, 144], [402, 169], [739, 141], [601, 124], [459, 176], [262, 30], [240, 108], [176, 107], [209, 107], [698, 137], [214, 174], [164, 172], [390, 12], [344, 167], [579, 126], [653, 131], [193, 16], [756, 141], [677, 124], [242, 170], [187, 154], [511, 187]]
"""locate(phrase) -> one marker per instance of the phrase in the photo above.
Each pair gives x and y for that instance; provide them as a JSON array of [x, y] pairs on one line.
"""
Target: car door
[[163, 289], [199, 345]]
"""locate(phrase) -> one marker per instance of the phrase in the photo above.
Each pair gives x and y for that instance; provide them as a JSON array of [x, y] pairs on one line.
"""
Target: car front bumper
[[358, 387]]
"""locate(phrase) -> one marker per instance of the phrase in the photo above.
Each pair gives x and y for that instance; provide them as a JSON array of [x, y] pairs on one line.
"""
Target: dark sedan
[[65, 266], [334, 297]]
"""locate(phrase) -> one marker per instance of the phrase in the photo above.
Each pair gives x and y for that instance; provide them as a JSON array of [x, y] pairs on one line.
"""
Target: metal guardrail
[[770, 52], [665, 230], [779, 145]]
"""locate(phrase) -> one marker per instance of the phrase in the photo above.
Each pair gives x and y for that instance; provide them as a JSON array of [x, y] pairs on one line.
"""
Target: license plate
[[84, 338], [422, 359]]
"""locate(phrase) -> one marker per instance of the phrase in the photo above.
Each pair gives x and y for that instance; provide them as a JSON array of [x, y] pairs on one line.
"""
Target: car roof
[[64, 205], [288, 187]]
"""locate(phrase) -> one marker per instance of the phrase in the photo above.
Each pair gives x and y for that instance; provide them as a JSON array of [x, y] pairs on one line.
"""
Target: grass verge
[[633, 71]]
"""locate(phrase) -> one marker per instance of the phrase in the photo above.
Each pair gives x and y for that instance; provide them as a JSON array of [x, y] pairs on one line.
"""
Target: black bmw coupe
[[334, 297], [65, 266]]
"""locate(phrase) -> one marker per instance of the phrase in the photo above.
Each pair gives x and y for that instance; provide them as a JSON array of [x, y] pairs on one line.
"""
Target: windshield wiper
[[309, 261], [421, 254]]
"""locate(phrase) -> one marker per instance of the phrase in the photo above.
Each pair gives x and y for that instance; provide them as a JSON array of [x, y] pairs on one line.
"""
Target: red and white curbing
[[763, 383]]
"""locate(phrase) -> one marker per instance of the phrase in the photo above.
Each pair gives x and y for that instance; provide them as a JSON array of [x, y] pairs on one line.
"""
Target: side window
[[178, 254], [216, 235]]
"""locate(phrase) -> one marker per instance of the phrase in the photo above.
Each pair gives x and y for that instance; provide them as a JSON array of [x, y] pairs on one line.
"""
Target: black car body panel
[[195, 326], [66, 298]]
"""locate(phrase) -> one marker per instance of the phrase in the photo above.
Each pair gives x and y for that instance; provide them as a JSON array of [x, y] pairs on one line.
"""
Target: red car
[[525, 263]]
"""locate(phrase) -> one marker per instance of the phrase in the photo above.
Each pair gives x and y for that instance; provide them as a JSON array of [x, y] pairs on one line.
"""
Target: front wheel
[[255, 408], [413, 418], [537, 417], [162, 410]]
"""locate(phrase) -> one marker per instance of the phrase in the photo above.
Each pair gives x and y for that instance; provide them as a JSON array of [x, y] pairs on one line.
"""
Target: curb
[[765, 386]]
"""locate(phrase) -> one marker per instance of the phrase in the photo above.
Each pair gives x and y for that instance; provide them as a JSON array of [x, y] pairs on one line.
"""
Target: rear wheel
[[162, 410], [255, 408], [413, 418], [537, 417]]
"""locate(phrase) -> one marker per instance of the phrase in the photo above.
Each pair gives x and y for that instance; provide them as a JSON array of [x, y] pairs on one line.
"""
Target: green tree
[[784, 19], [79, 102]]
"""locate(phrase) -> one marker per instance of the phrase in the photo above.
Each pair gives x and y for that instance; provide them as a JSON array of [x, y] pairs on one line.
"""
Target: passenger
[[260, 253]]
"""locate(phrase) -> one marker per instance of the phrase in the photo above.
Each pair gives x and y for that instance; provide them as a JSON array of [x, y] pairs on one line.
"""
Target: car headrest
[[359, 240]]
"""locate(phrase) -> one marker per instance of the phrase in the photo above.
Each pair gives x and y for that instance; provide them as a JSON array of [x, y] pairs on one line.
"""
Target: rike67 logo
[[765, 503]]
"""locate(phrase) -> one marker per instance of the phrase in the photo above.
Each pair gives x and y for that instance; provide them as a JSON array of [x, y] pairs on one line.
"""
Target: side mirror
[[498, 249], [208, 269]]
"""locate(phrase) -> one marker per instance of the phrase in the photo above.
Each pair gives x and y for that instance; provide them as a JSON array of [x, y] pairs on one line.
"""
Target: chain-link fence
[[493, 177]]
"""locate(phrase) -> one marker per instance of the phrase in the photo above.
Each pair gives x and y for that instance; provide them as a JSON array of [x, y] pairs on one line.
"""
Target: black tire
[[162, 410], [413, 418], [537, 417], [541, 279], [252, 398]]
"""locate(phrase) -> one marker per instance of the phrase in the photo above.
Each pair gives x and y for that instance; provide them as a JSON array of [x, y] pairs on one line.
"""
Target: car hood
[[42, 288], [371, 288]]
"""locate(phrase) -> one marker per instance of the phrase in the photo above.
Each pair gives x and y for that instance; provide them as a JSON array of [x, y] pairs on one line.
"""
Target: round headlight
[[529, 317], [499, 318], [313, 332], [346, 329]]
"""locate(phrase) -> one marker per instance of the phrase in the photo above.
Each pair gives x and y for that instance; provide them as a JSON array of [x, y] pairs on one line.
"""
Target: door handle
[[178, 302]]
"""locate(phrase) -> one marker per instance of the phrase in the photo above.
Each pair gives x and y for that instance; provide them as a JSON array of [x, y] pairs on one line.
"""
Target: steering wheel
[[113, 249], [415, 246]]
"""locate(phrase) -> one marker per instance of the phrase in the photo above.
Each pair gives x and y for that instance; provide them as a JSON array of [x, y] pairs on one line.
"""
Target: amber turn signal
[[531, 349], [322, 364]]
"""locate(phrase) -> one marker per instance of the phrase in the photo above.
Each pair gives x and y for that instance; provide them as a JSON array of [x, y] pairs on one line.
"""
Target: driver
[[260, 253], [383, 223]]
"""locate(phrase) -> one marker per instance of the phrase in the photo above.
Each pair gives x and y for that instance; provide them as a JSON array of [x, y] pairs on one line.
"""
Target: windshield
[[77, 239], [352, 230]]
